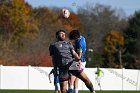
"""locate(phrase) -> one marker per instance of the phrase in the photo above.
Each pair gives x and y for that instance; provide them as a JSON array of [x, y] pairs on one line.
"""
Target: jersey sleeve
[[71, 46], [79, 46], [51, 50], [51, 72]]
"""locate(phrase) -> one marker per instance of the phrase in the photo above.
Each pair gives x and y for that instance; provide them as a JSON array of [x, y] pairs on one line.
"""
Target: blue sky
[[129, 6]]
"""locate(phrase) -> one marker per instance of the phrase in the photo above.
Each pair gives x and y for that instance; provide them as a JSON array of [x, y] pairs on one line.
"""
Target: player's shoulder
[[65, 42], [69, 43], [81, 40], [54, 42]]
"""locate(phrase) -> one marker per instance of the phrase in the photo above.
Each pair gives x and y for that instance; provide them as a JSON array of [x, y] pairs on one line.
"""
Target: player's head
[[60, 35], [74, 34], [98, 66]]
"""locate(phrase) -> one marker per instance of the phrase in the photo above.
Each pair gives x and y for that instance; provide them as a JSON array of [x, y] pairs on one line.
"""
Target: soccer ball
[[65, 13]]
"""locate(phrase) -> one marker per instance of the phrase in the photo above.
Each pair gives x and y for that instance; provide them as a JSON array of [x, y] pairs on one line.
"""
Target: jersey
[[56, 78], [61, 53], [80, 46], [99, 72]]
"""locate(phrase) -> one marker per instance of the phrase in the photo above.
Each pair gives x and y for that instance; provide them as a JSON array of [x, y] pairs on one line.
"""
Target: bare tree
[[98, 20]]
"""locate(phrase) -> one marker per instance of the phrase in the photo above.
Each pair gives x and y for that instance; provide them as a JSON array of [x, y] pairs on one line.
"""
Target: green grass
[[49, 91]]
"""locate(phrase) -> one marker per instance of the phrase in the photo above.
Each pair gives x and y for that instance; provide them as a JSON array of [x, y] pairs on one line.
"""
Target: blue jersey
[[80, 46], [56, 78]]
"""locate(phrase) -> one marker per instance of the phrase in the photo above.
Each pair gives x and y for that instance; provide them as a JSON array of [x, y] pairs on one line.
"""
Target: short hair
[[74, 34], [57, 33]]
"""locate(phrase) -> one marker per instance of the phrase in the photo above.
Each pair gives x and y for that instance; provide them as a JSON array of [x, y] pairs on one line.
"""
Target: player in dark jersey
[[62, 54], [56, 81]]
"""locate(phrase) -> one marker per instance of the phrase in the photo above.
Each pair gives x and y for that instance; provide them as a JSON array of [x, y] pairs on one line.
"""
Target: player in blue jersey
[[80, 47], [56, 80]]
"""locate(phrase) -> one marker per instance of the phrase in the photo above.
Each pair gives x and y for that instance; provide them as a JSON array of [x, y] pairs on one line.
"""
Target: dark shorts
[[64, 72]]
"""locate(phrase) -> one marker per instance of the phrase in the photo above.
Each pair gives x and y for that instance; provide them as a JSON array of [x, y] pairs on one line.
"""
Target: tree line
[[26, 33]]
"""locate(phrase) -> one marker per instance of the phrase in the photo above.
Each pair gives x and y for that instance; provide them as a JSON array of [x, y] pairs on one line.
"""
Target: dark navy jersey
[[61, 53], [56, 78]]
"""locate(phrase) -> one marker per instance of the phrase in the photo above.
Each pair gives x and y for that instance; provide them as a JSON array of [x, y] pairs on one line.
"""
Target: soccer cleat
[[70, 91], [93, 92]]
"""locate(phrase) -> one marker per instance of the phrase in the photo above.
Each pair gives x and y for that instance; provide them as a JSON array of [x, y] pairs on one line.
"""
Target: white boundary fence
[[36, 78]]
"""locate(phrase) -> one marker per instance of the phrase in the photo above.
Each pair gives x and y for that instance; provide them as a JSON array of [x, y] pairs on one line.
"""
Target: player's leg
[[83, 64], [98, 81], [86, 80], [76, 85], [99, 84], [56, 84], [57, 88], [81, 75], [63, 86], [63, 78], [71, 83]]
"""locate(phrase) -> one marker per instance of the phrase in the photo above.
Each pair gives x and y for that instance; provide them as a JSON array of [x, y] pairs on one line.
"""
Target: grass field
[[45, 91]]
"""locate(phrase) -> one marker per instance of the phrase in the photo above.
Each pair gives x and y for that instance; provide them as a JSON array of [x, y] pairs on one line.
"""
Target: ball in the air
[[65, 13]]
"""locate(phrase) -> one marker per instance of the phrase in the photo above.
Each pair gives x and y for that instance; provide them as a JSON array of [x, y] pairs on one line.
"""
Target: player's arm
[[75, 54], [51, 72], [102, 72], [79, 49], [50, 78], [80, 46], [52, 51], [79, 53], [96, 72], [51, 54]]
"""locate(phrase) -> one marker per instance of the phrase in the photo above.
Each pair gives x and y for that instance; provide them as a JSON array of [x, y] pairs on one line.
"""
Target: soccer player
[[62, 54], [56, 81], [80, 48], [99, 74]]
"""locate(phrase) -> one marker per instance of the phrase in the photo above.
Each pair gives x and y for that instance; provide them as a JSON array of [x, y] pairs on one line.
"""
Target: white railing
[[36, 78]]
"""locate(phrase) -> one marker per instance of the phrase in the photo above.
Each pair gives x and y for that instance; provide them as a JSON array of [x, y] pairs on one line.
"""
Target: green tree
[[132, 37]]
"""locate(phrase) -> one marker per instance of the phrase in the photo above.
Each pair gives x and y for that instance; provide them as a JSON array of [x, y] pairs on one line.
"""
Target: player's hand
[[70, 42], [80, 62]]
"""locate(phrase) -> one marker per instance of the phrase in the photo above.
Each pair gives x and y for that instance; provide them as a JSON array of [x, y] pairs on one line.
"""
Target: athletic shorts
[[83, 65], [64, 71], [56, 80]]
